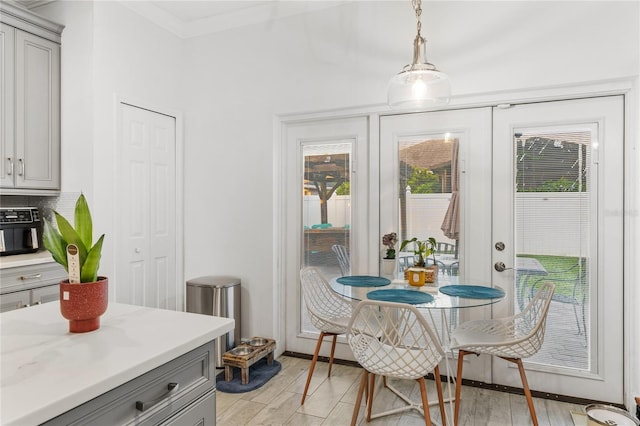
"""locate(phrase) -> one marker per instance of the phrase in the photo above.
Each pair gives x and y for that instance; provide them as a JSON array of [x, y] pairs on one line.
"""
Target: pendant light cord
[[417, 6]]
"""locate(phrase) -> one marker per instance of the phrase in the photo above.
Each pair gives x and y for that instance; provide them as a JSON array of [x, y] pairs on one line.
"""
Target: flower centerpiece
[[389, 241], [84, 296]]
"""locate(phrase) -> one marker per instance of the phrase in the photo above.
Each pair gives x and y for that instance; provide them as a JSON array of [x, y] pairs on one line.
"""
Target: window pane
[[553, 219], [326, 210], [428, 177]]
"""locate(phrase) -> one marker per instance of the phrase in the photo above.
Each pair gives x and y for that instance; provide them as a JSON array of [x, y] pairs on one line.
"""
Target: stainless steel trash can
[[218, 296]]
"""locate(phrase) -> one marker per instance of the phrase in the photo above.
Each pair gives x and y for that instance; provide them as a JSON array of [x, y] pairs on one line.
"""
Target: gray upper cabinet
[[30, 102]]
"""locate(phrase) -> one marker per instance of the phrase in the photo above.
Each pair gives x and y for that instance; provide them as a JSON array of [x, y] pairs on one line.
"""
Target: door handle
[[500, 267]]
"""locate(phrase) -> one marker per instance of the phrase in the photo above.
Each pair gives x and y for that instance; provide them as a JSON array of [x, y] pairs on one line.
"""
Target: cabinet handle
[[144, 406], [30, 277], [21, 161], [10, 172]]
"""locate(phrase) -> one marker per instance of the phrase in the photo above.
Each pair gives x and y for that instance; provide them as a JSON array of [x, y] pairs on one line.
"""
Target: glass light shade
[[419, 85], [418, 89]]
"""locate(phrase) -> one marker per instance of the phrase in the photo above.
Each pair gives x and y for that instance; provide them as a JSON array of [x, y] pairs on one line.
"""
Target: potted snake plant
[[84, 296]]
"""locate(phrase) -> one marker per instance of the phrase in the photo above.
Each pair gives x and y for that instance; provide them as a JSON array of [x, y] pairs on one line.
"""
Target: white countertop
[[25, 259], [46, 371]]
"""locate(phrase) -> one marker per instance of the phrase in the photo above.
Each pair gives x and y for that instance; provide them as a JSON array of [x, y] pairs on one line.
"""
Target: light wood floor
[[330, 401]]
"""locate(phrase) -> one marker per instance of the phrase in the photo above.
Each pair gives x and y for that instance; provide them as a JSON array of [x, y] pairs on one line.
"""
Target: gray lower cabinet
[[24, 286], [180, 392]]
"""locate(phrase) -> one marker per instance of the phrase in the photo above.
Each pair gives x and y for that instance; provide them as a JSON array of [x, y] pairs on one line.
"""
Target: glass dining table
[[443, 299]]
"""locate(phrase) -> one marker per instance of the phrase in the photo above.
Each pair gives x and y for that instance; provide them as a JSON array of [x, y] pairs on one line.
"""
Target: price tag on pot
[[73, 261]]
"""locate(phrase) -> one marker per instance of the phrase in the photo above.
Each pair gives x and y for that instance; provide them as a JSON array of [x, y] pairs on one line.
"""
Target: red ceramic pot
[[82, 304]]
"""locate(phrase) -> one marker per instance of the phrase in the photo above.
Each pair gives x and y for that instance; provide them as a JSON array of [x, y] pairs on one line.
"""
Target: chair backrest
[[446, 248], [393, 339], [343, 258], [328, 311], [530, 324]]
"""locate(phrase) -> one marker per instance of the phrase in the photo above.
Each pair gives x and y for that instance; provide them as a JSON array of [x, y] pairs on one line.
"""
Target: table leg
[[245, 375], [228, 373]]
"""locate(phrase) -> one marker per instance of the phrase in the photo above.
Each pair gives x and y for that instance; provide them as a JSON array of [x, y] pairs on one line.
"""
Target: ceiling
[[189, 18]]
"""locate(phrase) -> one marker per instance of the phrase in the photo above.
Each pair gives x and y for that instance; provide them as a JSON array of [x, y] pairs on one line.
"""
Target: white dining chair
[[512, 339], [393, 340], [328, 312]]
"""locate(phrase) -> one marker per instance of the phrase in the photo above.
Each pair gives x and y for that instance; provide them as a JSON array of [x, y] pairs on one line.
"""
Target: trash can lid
[[214, 281]]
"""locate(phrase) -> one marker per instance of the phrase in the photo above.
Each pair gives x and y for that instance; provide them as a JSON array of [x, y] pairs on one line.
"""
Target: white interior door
[[146, 272], [557, 206], [325, 204]]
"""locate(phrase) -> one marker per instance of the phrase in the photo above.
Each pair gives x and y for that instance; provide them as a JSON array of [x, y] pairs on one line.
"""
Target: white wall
[[108, 50], [342, 57], [231, 85]]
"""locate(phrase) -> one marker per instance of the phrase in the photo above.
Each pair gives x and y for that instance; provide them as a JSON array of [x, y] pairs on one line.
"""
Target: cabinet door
[[7, 40], [200, 413], [15, 300], [37, 133]]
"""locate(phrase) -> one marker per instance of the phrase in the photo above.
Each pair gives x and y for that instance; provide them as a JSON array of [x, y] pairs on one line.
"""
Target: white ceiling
[[191, 18]]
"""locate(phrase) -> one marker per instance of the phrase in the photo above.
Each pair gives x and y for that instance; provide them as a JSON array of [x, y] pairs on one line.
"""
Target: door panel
[[417, 182], [557, 184], [147, 216]]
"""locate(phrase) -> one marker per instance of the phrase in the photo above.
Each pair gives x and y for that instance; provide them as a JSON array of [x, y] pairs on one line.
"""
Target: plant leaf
[[82, 221], [54, 242], [89, 271], [70, 236]]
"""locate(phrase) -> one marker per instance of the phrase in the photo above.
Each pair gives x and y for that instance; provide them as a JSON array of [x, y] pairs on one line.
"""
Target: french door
[[557, 185], [326, 213], [537, 189]]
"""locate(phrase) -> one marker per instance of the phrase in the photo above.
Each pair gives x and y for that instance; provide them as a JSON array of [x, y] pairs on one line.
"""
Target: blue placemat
[[363, 281], [472, 291], [399, 295]]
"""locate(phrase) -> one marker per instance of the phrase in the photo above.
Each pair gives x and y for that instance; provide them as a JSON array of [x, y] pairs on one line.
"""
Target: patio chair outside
[[343, 258]]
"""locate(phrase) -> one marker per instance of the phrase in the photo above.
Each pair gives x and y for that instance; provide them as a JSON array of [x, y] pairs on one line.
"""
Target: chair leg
[[333, 349], [525, 386], [372, 384], [461, 355], [313, 365], [436, 372], [425, 401], [363, 386]]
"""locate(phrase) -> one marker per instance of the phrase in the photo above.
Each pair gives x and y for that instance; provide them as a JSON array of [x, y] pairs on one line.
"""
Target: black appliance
[[20, 230]]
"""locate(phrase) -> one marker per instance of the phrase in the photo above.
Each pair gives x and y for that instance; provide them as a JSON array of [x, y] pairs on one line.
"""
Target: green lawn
[[562, 271]]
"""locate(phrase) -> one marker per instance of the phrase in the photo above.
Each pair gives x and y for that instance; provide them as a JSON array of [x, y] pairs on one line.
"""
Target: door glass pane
[[428, 201], [553, 211], [326, 210]]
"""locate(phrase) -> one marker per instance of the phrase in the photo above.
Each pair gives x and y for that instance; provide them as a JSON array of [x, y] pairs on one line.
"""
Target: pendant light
[[419, 85]]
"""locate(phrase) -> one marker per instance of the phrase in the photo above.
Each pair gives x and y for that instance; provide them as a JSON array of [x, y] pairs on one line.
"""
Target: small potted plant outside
[[84, 296], [389, 260], [423, 249]]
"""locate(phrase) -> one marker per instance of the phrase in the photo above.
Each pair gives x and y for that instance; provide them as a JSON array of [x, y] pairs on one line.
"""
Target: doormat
[[259, 374]]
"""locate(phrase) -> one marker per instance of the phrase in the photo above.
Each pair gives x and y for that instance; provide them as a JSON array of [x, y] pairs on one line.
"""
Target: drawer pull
[[144, 406], [30, 277]]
